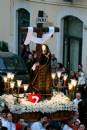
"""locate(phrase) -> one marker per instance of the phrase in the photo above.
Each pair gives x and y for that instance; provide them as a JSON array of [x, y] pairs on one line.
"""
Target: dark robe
[[43, 74]]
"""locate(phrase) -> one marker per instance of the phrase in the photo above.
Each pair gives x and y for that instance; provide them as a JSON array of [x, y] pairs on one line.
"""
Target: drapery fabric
[[31, 38]]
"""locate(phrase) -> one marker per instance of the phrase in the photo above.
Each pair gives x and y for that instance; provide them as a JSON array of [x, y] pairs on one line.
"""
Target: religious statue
[[42, 69], [42, 79]]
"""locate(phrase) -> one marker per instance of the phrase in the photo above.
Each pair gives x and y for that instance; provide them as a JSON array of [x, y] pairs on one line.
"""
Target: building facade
[[69, 44]]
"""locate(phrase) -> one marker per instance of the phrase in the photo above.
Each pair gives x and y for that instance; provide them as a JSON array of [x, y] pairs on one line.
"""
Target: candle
[[5, 82], [12, 84], [59, 74], [53, 75], [25, 87]]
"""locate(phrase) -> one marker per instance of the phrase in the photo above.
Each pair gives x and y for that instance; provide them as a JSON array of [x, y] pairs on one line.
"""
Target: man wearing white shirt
[[10, 124], [39, 125], [66, 127], [77, 100], [82, 84], [3, 118]]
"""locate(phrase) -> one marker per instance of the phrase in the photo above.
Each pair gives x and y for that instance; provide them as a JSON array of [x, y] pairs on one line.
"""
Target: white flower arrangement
[[58, 102]]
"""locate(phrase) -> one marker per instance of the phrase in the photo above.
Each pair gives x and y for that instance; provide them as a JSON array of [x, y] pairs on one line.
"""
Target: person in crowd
[[61, 68], [29, 63], [10, 125], [53, 63], [20, 125], [76, 124], [81, 81], [68, 125], [73, 75], [2, 127], [4, 117], [77, 100], [41, 124], [81, 127], [25, 51], [76, 117]]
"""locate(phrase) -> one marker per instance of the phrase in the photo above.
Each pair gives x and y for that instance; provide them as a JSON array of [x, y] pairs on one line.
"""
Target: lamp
[[74, 83], [12, 76], [7, 79], [25, 89], [9, 75], [18, 83], [62, 84], [70, 87], [56, 77], [12, 84], [5, 82], [59, 74], [65, 77], [59, 86]]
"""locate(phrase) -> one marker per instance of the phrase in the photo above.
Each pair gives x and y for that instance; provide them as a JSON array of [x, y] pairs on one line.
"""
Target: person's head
[[77, 123], [3, 114], [44, 118], [21, 121], [81, 127], [80, 67], [9, 117], [30, 56], [45, 49], [60, 66], [78, 95], [70, 121], [76, 114]]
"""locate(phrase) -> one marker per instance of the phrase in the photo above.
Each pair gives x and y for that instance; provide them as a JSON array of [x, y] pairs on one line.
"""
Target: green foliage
[[3, 46]]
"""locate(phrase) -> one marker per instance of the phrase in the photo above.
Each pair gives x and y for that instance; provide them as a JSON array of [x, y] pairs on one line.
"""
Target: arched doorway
[[72, 42], [23, 21]]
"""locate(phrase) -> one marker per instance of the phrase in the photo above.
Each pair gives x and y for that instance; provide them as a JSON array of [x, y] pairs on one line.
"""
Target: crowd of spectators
[[43, 123]]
